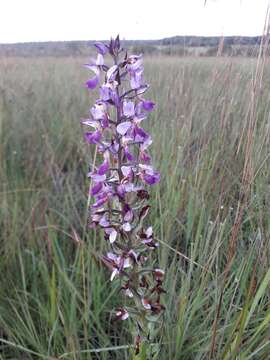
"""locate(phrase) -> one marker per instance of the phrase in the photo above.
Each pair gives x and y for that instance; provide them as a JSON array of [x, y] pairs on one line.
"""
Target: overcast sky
[[43, 20]]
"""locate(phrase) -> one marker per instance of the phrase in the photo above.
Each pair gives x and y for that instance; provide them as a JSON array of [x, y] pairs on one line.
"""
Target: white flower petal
[[114, 273], [126, 226], [149, 232], [113, 236]]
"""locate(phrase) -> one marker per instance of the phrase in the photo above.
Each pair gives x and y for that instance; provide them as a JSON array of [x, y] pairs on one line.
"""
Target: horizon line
[[157, 39]]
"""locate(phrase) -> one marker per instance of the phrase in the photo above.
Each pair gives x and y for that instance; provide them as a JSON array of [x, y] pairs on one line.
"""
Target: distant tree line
[[211, 40], [177, 45]]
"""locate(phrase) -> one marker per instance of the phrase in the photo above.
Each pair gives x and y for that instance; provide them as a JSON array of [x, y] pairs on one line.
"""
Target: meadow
[[210, 212]]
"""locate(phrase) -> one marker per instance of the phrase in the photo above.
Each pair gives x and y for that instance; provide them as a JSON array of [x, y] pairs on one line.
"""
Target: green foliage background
[[210, 212]]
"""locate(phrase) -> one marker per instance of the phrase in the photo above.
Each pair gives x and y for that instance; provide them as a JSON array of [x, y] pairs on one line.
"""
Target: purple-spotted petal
[[128, 108], [134, 62], [98, 111], [136, 78], [104, 221], [145, 157], [129, 216], [123, 128], [146, 143], [140, 135], [112, 256], [135, 81], [151, 179], [105, 93], [127, 171]]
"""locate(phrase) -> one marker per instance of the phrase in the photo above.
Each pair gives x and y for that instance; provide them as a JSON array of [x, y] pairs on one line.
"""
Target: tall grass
[[212, 146]]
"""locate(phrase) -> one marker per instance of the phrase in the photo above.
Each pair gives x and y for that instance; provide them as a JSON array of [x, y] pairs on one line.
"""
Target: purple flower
[[123, 127], [128, 108], [104, 167], [140, 134], [127, 171], [116, 263], [147, 142], [134, 63], [112, 234], [136, 79], [108, 92], [93, 137], [149, 175], [148, 105], [102, 48], [96, 188], [97, 178], [120, 176], [128, 154], [93, 82], [111, 73], [100, 60], [98, 111], [151, 179], [100, 201]]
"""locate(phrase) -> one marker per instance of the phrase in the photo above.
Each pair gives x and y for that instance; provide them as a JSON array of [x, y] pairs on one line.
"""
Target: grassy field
[[210, 212]]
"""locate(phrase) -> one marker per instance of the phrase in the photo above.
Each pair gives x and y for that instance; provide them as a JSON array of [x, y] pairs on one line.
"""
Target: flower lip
[[92, 83], [123, 127], [98, 111], [128, 108], [112, 234], [146, 304], [159, 274], [126, 226]]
